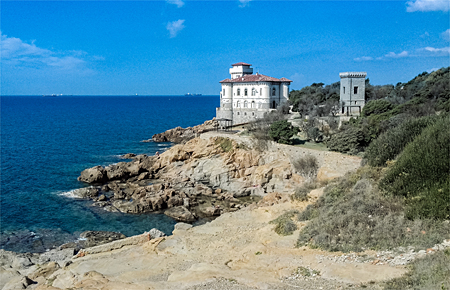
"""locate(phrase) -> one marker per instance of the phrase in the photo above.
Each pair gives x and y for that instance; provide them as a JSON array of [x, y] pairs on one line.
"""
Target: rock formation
[[182, 135], [203, 176]]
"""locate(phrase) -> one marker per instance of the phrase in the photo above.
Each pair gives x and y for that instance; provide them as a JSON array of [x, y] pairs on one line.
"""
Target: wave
[[72, 193]]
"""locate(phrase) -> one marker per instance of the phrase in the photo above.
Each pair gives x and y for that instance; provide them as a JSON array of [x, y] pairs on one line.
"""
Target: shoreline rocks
[[182, 135]]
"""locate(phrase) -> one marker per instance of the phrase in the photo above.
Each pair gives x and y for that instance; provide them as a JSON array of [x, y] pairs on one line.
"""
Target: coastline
[[237, 249], [217, 199]]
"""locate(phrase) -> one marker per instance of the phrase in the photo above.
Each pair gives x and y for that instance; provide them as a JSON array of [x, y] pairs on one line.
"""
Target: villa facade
[[246, 96]]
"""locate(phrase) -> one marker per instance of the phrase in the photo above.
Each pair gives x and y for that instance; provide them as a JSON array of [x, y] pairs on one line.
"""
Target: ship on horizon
[[193, 95]]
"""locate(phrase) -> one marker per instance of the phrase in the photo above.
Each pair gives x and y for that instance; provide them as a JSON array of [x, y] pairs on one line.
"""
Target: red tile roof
[[240, 63], [255, 78]]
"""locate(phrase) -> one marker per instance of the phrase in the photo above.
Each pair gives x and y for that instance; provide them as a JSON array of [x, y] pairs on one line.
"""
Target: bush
[[225, 144], [389, 144], [352, 215], [282, 132], [351, 140], [376, 107], [421, 173], [430, 272], [284, 225], [307, 166]]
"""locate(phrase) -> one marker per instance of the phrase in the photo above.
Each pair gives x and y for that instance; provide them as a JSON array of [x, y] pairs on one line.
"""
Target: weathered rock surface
[[180, 213], [95, 174], [207, 179]]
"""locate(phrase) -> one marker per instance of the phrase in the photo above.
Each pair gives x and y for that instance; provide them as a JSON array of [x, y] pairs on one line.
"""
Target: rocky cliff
[[202, 178]]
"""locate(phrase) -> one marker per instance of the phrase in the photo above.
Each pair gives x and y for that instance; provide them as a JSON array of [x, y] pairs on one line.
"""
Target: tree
[[282, 131]]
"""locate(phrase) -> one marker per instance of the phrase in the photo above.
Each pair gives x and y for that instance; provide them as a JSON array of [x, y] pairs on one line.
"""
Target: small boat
[[194, 95]]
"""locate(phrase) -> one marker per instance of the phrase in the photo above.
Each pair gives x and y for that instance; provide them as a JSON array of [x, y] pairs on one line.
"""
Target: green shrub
[[389, 144], [352, 215], [225, 143], [282, 132], [284, 225], [376, 107], [421, 173], [350, 140], [430, 272]]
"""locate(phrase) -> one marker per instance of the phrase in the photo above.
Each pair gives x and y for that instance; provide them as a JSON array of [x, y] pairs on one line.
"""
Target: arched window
[[253, 92], [238, 92], [253, 104], [274, 91], [238, 104], [245, 92], [274, 105], [245, 104]]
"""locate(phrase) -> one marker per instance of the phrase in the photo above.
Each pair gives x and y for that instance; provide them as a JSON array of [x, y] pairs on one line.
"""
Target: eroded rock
[[180, 213]]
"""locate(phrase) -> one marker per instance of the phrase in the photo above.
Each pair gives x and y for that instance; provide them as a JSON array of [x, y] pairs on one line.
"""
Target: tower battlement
[[352, 75]]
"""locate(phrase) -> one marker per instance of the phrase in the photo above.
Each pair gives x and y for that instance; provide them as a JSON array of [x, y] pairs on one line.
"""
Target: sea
[[47, 141]]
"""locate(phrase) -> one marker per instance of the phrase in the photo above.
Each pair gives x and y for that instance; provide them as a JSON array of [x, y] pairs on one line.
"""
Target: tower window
[[273, 91], [238, 92], [224, 92], [344, 90], [260, 91], [355, 90]]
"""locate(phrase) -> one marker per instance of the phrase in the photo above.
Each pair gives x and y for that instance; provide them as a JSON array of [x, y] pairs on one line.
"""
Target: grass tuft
[[284, 225]]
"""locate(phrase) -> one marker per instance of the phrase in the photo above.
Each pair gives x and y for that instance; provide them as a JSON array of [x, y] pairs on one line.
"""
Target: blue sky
[[175, 46]]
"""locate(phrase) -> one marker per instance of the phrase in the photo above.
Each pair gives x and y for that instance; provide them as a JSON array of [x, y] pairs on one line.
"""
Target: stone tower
[[352, 95]]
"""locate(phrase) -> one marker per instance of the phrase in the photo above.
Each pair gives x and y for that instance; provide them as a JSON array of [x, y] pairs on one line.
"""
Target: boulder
[[116, 171], [96, 174], [180, 213], [95, 238], [155, 233], [211, 211], [182, 226], [86, 192]]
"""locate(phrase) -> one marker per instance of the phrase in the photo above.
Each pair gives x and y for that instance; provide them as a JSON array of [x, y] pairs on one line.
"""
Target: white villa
[[247, 96]]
